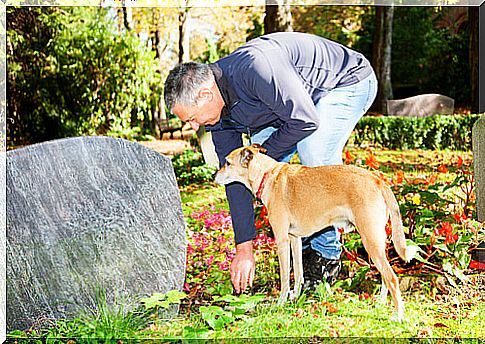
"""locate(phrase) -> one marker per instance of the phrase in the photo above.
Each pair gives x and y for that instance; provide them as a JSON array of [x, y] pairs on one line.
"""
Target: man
[[289, 92]]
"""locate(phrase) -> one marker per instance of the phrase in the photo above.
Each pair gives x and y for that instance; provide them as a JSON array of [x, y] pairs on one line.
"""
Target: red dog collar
[[261, 186]]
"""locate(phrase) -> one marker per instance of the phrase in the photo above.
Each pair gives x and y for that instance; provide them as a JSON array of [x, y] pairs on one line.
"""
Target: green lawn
[[434, 309]]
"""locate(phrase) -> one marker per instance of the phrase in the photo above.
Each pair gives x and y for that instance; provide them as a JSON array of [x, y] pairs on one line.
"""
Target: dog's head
[[236, 168]]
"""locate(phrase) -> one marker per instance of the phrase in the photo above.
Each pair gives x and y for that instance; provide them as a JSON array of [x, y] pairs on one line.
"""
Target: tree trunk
[[184, 35], [381, 58], [473, 14], [126, 21], [278, 16]]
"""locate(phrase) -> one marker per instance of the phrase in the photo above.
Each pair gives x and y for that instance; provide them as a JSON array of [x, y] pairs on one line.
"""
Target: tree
[[70, 73], [381, 57], [339, 23], [184, 34], [473, 16], [278, 16]]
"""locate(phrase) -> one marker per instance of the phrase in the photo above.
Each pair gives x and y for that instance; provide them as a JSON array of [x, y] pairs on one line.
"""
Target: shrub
[[435, 132], [71, 73], [190, 168]]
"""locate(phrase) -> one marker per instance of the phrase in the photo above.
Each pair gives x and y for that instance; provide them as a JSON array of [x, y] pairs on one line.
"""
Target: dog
[[303, 200]]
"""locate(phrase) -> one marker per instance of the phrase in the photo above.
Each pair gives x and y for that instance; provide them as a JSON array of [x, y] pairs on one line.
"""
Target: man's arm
[[238, 196], [240, 200]]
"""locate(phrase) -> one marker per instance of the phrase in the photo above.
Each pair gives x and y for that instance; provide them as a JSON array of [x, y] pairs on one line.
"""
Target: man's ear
[[205, 93], [246, 156]]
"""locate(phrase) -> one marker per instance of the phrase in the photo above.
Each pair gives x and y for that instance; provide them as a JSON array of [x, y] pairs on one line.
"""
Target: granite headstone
[[478, 142], [89, 214], [421, 106]]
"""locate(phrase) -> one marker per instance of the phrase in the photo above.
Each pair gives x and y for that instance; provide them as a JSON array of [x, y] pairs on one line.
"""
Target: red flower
[[349, 158], [474, 264], [399, 177], [451, 238], [372, 162], [445, 229], [431, 179], [459, 217], [460, 162], [443, 169]]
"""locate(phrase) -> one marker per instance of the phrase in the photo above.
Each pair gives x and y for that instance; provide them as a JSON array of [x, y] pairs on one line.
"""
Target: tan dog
[[303, 200]]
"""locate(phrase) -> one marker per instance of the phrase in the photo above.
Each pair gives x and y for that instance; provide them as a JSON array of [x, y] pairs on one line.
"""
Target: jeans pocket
[[371, 93]]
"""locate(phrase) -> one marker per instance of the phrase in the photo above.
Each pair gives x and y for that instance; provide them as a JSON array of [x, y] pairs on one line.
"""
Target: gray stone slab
[[88, 214], [421, 106], [478, 142]]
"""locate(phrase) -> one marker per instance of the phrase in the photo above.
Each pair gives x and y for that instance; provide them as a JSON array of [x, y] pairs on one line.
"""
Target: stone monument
[[85, 215], [421, 106], [478, 140]]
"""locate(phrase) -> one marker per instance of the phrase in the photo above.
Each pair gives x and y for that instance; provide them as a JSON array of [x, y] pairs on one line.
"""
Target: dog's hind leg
[[296, 249], [384, 292], [377, 252], [372, 232], [391, 281]]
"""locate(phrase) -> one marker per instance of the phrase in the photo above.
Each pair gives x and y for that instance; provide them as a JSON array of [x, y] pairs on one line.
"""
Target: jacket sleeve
[[239, 197], [284, 93]]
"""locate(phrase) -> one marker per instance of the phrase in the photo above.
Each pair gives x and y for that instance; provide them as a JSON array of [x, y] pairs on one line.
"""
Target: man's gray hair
[[184, 82]]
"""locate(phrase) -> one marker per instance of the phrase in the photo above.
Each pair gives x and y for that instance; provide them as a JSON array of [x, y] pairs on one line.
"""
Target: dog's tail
[[405, 252]]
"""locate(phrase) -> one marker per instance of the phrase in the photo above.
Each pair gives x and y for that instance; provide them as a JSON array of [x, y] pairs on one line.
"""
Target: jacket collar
[[227, 90]]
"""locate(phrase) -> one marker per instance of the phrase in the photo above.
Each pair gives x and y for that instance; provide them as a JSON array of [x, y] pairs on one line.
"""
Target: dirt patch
[[167, 147]]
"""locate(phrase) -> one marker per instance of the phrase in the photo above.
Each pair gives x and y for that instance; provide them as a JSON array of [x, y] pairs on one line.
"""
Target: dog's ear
[[259, 148], [246, 156]]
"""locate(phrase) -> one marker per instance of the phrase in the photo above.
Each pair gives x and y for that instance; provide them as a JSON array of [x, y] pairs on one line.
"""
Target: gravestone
[[421, 106], [478, 142], [89, 215]]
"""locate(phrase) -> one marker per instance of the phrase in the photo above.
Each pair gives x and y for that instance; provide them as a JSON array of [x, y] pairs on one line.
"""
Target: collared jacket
[[275, 81]]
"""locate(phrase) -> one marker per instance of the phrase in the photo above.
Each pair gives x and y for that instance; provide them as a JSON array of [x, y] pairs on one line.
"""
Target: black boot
[[317, 269]]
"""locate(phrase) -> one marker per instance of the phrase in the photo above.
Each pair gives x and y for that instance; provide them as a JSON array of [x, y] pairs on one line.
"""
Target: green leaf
[[442, 247], [359, 277], [216, 317], [163, 300], [195, 333], [175, 296]]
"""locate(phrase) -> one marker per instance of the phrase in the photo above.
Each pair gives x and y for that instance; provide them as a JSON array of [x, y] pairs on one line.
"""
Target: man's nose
[[194, 125]]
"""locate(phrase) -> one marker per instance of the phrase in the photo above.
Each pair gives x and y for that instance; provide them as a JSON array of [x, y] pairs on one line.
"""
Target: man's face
[[206, 111]]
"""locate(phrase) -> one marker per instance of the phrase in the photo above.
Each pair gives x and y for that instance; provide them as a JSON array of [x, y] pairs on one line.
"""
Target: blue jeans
[[339, 112]]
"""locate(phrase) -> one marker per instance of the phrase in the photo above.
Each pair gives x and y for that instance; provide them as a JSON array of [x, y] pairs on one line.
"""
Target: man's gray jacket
[[275, 81]]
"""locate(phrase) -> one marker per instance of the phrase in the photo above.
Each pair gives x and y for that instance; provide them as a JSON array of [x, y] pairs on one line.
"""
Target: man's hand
[[243, 267]]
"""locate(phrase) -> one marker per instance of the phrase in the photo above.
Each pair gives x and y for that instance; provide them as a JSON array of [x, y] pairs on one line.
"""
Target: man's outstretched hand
[[243, 267]]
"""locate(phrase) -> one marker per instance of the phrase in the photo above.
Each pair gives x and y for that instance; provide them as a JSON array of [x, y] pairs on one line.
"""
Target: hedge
[[452, 132]]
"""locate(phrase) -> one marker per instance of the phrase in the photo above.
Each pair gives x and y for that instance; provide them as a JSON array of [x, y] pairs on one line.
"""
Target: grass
[[346, 314], [431, 311]]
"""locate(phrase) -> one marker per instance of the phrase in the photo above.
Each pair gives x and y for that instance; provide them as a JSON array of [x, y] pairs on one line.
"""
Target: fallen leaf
[[440, 325]]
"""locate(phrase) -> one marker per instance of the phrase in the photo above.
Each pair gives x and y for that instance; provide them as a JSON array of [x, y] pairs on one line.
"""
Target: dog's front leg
[[297, 265], [281, 227], [284, 259]]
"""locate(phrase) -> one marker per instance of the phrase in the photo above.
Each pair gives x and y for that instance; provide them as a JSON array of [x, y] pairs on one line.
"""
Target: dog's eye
[[228, 163]]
